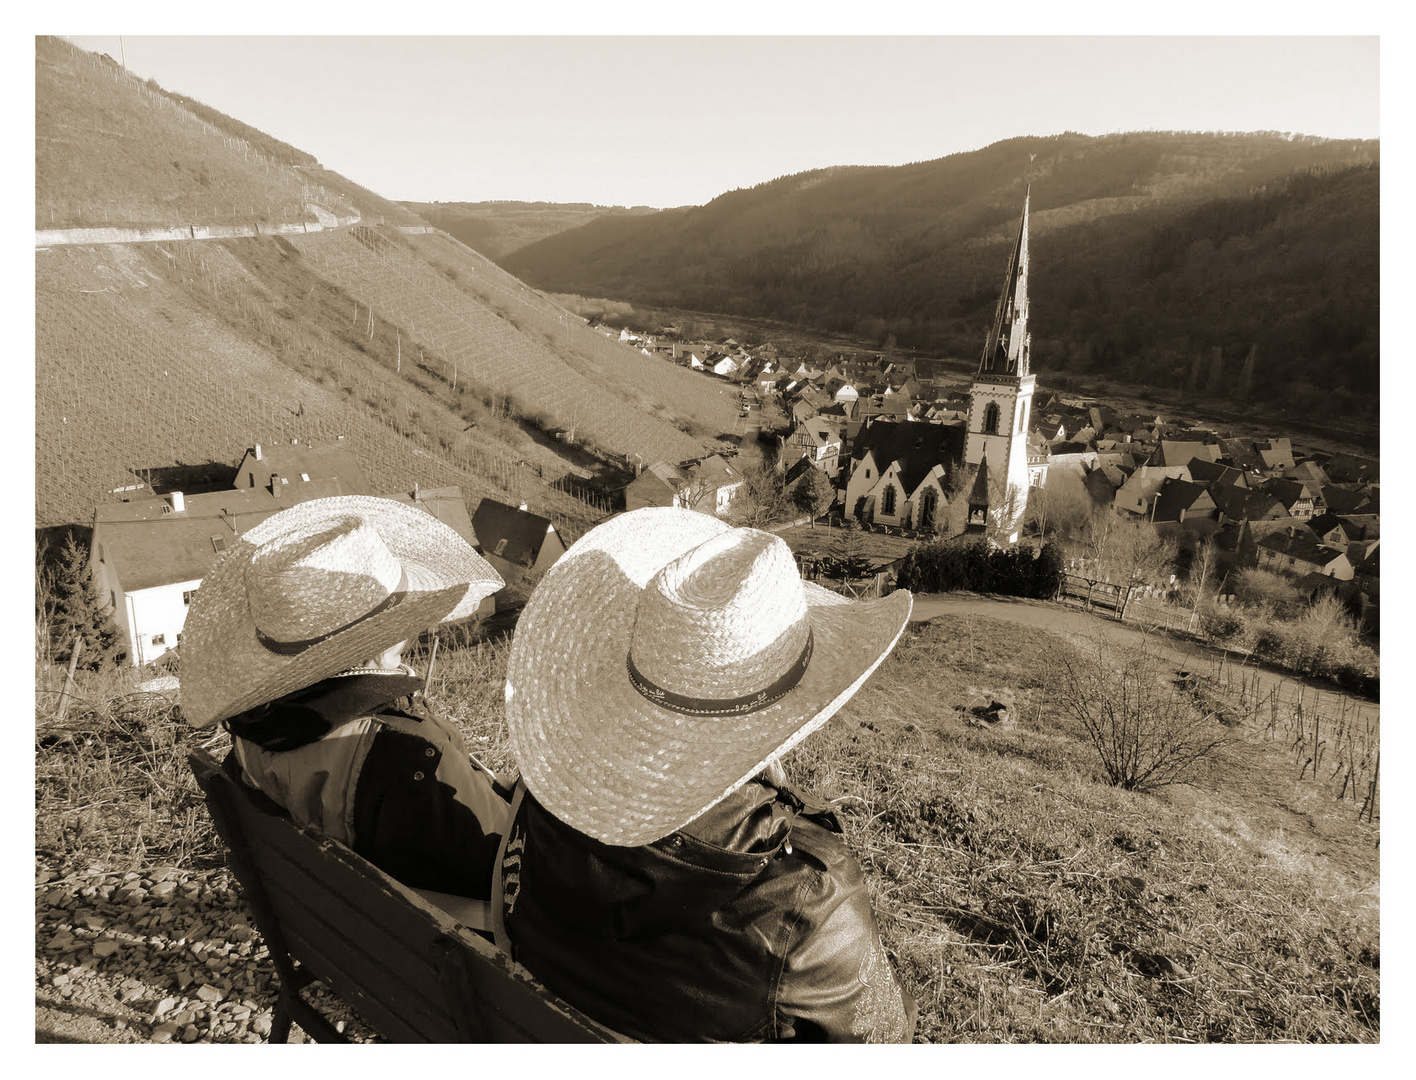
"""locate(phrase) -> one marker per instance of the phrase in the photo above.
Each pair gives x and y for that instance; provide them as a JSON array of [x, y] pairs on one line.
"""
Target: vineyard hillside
[[435, 366]]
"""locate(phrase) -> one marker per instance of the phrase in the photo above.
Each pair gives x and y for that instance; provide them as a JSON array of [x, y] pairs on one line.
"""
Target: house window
[[990, 419], [501, 546], [1022, 416], [187, 595], [166, 509], [928, 503], [887, 499], [159, 639], [219, 543]]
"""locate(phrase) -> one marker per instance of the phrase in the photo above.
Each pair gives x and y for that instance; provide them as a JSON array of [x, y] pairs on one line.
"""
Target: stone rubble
[[167, 955]]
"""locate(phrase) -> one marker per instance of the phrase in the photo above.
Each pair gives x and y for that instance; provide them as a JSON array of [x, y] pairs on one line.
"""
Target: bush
[[976, 566], [1146, 731]]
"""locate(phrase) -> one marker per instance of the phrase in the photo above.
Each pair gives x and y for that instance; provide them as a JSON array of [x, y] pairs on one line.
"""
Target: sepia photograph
[[615, 529]]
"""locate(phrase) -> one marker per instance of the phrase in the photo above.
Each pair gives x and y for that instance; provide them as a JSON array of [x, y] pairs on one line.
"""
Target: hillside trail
[[1079, 624]]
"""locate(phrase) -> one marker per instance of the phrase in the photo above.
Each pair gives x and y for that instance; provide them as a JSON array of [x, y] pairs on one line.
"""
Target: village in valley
[[863, 443]]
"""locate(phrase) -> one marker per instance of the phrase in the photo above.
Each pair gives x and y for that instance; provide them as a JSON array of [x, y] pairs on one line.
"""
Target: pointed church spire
[[1007, 347]]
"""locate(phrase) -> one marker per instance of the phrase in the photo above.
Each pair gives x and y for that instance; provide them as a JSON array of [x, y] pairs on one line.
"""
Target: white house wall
[[156, 612]]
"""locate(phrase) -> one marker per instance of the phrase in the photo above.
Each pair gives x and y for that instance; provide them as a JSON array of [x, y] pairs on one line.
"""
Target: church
[[909, 474]]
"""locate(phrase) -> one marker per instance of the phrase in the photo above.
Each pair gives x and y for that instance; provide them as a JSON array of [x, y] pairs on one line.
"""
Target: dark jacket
[[366, 762], [750, 923]]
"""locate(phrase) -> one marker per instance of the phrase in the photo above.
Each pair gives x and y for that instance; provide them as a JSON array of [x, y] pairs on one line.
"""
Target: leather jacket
[[751, 923], [363, 759]]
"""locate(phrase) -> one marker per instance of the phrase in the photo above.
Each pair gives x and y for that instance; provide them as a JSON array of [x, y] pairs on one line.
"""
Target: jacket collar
[[312, 712]]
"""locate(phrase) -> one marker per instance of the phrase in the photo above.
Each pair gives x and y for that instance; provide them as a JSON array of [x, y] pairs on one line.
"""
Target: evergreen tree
[[79, 611]]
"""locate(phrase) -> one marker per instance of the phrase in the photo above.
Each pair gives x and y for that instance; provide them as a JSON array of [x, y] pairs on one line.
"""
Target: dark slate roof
[[891, 441], [1323, 524], [797, 470], [1371, 565], [915, 467], [1204, 471], [1242, 454], [1301, 545], [1342, 499], [1362, 526], [1250, 504], [1176, 496], [1286, 491], [1179, 451], [1349, 468], [522, 531], [978, 494]]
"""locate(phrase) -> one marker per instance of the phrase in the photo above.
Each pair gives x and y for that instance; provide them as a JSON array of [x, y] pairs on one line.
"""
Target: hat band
[[748, 703], [294, 648]]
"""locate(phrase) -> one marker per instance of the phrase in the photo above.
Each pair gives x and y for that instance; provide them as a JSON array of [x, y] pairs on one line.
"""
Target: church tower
[[1001, 397]]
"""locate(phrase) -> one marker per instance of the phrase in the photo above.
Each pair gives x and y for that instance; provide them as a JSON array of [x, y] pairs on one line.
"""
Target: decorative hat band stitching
[[294, 648], [747, 703]]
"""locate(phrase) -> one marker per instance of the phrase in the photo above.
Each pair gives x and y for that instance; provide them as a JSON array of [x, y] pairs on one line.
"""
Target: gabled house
[[288, 467], [1176, 452], [1141, 487], [1245, 504], [1344, 499], [1182, 502], [1351, 469], [907, 455], [819, 440], [1293, 494], [1210, 473], [517, 543], [657, 485], [724, 366], [1311, 473], [1329, 530], [1298, 552], [1277, 454]]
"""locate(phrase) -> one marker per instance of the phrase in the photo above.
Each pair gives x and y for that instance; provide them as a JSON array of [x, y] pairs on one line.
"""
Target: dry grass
[[1022, 897]]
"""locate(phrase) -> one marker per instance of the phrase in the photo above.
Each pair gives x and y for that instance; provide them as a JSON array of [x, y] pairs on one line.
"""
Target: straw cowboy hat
[[665, 658], [315, 589]]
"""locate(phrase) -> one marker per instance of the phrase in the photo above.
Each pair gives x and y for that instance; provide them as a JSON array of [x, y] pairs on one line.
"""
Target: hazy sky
[[669, 121]]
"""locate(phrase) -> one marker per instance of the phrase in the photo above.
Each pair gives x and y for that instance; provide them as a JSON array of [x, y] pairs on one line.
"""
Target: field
[[1022, 899]]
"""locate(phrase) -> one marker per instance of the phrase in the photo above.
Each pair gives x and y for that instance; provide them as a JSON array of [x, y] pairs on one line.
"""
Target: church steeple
[[1000, 400], [1008, 345]]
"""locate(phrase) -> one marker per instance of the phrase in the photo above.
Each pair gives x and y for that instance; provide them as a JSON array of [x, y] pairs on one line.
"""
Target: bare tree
[[1147, 730], [761, 501], [1061, 504]]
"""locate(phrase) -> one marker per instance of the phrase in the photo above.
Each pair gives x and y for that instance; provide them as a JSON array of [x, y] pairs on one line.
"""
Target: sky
[[672, 120]]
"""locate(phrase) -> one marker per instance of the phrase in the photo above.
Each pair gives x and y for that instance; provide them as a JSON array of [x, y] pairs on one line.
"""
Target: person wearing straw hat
[[293, 642], [659, 874]]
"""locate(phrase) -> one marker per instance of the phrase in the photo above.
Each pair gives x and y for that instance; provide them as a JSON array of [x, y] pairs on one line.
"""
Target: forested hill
[[1149, 252], [496, 229]]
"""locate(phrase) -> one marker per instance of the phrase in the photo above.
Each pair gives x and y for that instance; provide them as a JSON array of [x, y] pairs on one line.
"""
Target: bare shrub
[[1147, 730]]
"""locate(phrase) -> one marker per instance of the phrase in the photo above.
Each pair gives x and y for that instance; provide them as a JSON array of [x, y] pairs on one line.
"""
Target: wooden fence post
[[69, 679]]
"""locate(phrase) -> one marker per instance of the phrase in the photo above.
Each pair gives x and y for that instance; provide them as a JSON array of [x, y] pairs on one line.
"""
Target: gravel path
[[165, 956]]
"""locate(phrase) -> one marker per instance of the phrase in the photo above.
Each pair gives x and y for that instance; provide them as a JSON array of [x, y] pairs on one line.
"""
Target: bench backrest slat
[[410, 969]]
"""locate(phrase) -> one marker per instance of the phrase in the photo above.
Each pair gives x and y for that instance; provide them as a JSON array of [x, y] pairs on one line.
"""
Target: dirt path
[[1185, 654]]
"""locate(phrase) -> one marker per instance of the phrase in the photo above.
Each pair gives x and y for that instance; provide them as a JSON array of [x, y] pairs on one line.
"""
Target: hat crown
[[725, 619], [312, 583]]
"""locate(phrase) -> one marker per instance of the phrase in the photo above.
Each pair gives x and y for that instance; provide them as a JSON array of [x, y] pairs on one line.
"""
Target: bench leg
[[280, 1022]]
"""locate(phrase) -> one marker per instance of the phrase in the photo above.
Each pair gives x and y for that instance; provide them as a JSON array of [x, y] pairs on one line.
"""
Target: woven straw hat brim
[[603, 758], [225, 668]]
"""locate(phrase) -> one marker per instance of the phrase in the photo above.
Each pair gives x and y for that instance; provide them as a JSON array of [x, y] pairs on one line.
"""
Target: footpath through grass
[[1022, 898]]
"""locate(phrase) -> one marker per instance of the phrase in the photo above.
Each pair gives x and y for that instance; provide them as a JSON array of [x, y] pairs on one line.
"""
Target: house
[[1141, 487], [1344, 499], [1329, 530], [1246, 504], [909, 493], [1176, 452], [149, 555], [1210, 473], [707, 486], [297, 464], [1293, 494], [517, 543], [724, 366], [1298, 552], [1351, 469], [1183, 502], [1277, 454], [819, 440]]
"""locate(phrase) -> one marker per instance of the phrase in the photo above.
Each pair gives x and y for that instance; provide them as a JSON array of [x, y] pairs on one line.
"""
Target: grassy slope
[[1022, 899]]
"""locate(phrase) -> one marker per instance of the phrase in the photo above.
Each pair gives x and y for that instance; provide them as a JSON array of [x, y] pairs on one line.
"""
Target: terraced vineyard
[[477, 344], [117, 394]]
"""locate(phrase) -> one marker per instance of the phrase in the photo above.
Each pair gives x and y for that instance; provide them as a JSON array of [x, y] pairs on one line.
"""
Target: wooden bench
[[410, 970]]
